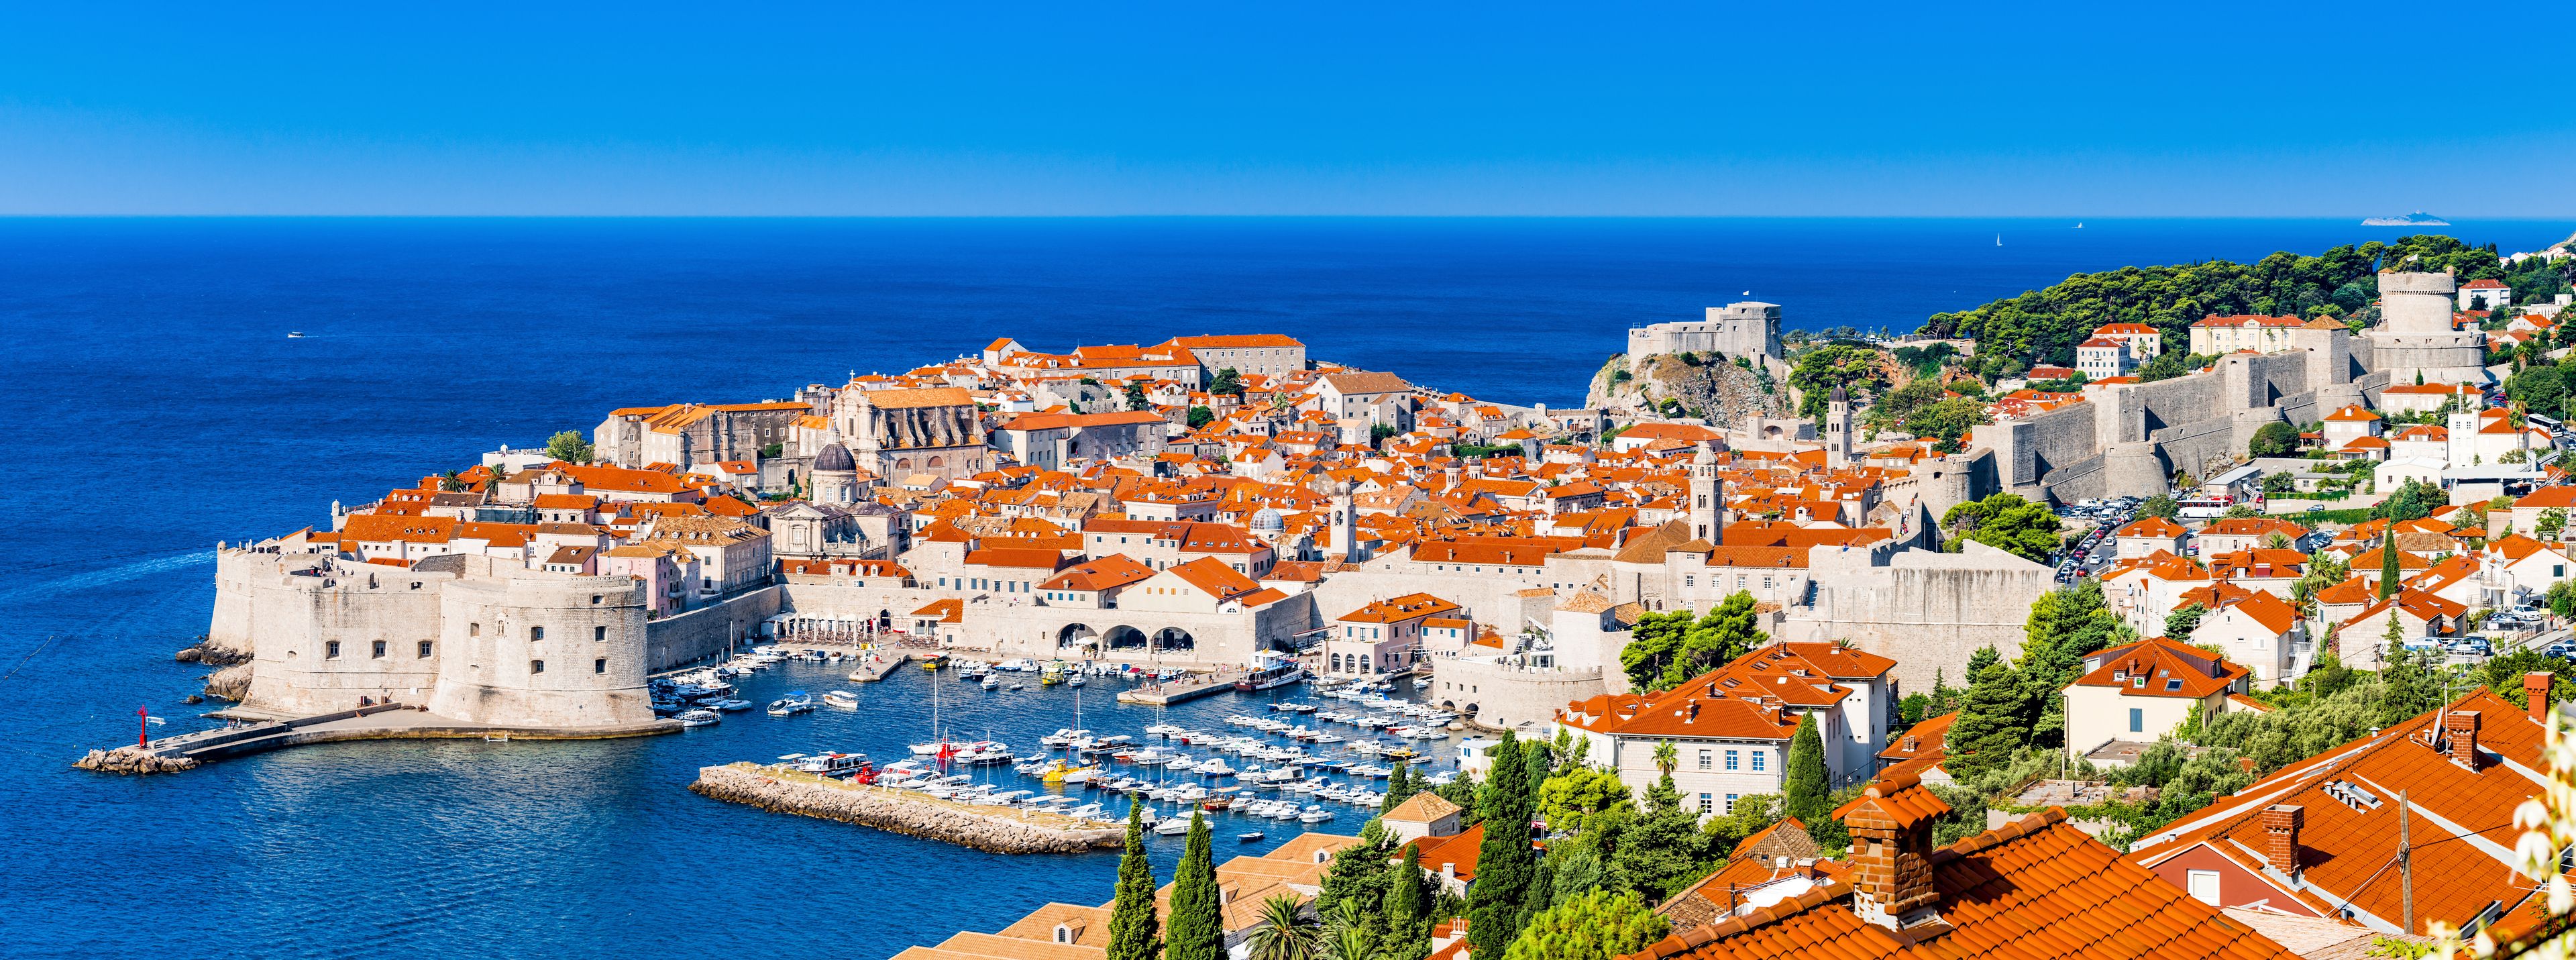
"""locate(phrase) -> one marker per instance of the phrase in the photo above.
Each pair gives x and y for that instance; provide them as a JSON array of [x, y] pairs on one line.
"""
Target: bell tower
[[1707, 498], [1838, 430]]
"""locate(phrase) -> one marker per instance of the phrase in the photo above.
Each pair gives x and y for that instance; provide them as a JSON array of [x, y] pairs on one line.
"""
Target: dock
[[383, 721], [876, 664], [776, 788], [1182, 691]]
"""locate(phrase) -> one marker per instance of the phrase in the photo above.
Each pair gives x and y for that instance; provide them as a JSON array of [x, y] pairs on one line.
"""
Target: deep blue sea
[[160, 408]]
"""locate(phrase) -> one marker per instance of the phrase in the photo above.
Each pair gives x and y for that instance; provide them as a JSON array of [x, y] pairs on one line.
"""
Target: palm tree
[[1285, 931], [1347, 935], [1666, 758]]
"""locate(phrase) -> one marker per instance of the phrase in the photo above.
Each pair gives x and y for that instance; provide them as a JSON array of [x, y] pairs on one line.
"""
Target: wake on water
[[90, 579]]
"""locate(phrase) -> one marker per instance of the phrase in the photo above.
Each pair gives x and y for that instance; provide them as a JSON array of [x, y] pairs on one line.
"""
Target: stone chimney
[[2460, 733], [2281, 837], [1891, 852], [2536, 687]]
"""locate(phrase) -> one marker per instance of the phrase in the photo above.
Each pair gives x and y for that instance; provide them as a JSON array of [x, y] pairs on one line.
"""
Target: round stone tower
[[542, 651], [2415, 341]]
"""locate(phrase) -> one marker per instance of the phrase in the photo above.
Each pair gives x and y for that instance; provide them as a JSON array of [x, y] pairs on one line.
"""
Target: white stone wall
[[592, 647]]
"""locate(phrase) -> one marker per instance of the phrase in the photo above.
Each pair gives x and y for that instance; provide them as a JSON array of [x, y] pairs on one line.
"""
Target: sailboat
[[1999, 239], [938, 745]]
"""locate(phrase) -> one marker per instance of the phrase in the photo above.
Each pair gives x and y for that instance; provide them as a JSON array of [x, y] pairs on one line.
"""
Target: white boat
[[1314, 815], [731, 705], [1248, 837], [1173, 827], [842, 699], [795, 702], [699, 718], [1215, 767], [991, 684]]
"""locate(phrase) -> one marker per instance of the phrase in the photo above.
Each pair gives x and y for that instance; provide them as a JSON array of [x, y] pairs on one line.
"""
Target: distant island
[[2417, 219]]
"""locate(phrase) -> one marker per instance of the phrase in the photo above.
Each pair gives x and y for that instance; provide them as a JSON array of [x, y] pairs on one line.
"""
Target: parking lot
[[2095, 548]]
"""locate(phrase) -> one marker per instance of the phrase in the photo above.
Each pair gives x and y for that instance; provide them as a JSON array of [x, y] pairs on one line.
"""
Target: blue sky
[[1442, 109]]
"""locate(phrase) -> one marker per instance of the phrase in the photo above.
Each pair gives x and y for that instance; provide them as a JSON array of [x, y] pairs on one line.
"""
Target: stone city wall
[[1926, 611], [676, 641], [1503, 697]]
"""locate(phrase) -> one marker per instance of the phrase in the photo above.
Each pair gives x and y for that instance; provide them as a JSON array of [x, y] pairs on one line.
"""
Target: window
[[2137, 720], [1730, 803], [599, 666], [473, 629], [1757, 761], [1707, 804], [1704, 759], [594, 599], [1730, 760], [536, 633], [599, 633], [424, 649], [2173, 684], [2203, 886], [536, 666], [331, 650], [380, 650]]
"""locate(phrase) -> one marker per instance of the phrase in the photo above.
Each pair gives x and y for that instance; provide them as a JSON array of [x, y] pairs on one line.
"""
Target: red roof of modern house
[[2160, 667], [2158, 527]]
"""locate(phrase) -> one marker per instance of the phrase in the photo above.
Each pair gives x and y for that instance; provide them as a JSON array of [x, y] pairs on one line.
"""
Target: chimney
[[2460, 730], [2281, 832], [2536, 687], [1891, 852]]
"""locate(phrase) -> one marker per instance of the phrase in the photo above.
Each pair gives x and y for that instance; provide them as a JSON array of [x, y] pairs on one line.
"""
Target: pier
[[875, 664], [779, 789], [1182, 691], [383, 721]]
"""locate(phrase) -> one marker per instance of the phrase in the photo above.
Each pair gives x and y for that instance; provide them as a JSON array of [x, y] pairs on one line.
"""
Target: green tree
[[1652, 646], [2411, 501], [1504, 863], [1358, 875], [1201, 416], [1349, 934], [1989, 727], [1136, 399], [1226, 382], [2274, 439], [2552, 522], [1724, 634], [569, 446], [2161, 506], [2388, 573], [1807, 785], [1946, 421], [1399, 786], [2185, 619], [1859, 370], [1132, 928], [1595, 925], [1285, 933], [1410, 897], [1461, 790], [1660, 853], [2005, 521], [2065, 626], [2410, 686], [1570, 801], [2279, 482], [1196, 930]]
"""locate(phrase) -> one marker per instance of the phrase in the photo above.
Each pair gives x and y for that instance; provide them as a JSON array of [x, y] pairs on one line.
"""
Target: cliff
[[1721, 393]]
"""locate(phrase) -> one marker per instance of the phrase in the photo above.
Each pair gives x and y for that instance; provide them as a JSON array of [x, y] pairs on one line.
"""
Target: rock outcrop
[[230, 683], [896, 811], [1717, 390], [211, 653], [131, 760]]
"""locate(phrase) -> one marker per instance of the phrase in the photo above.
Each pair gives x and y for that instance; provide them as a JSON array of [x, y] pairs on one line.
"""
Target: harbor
[[786, 787]]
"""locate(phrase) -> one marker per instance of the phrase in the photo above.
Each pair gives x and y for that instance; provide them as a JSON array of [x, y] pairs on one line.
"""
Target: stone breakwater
[[781, 791], [130, 760]]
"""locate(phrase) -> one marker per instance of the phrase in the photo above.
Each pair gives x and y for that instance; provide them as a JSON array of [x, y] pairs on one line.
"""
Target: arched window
[[936, 463]]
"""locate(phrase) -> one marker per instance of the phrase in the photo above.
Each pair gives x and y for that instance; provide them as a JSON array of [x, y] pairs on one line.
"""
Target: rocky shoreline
[[894, 811], [129, 760], [231, 679]]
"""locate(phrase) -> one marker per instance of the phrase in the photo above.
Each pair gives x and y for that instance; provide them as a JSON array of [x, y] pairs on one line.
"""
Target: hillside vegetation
[[2043, 326]]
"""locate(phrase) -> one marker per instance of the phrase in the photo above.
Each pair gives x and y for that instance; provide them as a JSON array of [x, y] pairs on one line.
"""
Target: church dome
[[1267, 520], [835, 458]]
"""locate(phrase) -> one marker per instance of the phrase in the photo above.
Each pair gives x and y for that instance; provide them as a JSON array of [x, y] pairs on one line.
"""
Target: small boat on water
[[1248, 837], [1173, 827], [699, 718], [795, 702], [299, 334], [991, 684], [730, 705], [842, 699]]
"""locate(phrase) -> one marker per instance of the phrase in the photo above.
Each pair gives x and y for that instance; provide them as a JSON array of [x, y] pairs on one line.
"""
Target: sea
[[162, 407]]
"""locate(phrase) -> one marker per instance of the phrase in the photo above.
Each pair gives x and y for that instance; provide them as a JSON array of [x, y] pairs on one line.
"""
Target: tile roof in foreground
[[2035, 888]]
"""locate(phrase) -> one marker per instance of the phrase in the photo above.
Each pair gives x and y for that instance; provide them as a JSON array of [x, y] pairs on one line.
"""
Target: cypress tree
[[1808, 793], [2388, 563], [1504, 864], [1399, 786], [1408, 899], [1132, 928], [1197, 930], [1989, 726]]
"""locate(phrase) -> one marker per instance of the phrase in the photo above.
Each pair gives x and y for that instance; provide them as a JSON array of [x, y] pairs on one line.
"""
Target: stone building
[[685, 434], [1049, 441], [902, 433], [2415, 340], [1268, 354], [1748, 329]]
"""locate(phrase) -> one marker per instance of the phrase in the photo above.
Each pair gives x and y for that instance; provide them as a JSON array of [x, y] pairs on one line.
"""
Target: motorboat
[[730, 705], [833, 762], [1173, 827], [842, 699], [991, 684], [699, 718], [1248, 837], [1314, 815], [795, 702]]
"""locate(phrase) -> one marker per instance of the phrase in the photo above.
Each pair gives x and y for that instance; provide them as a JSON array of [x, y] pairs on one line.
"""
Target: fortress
[[2131, 438], [1750, 329]]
